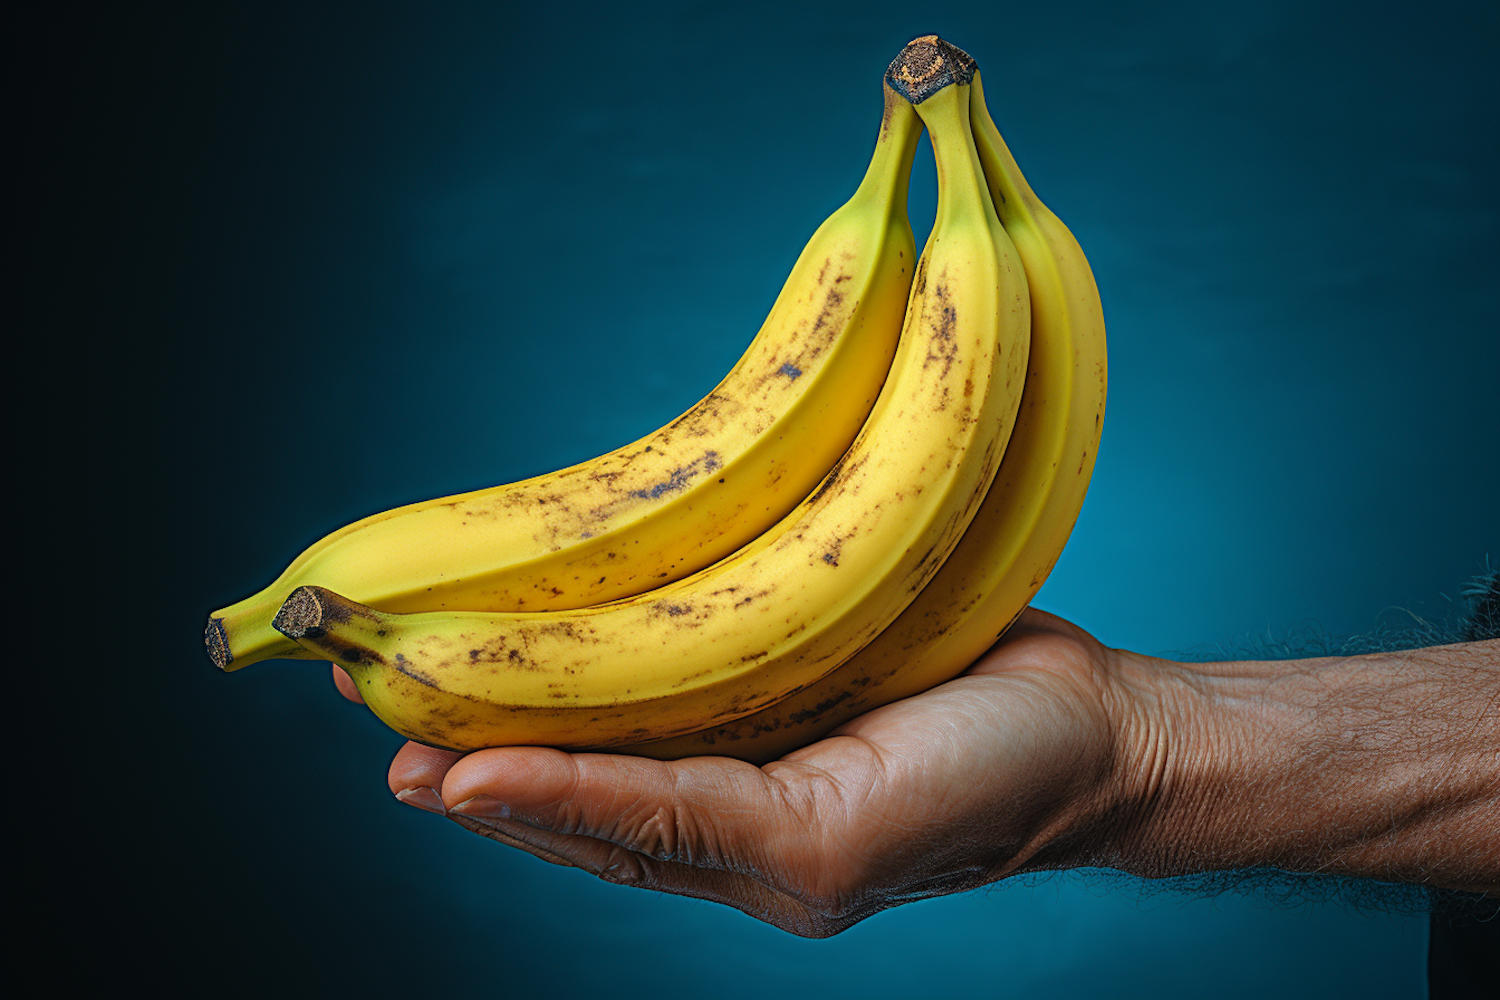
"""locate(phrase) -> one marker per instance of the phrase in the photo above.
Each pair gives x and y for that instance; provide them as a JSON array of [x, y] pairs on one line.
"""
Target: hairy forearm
[[1383, 766]]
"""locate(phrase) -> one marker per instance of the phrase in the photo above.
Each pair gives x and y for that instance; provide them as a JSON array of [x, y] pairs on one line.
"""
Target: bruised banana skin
[[779, 613], [672, 502], [1021, 527]]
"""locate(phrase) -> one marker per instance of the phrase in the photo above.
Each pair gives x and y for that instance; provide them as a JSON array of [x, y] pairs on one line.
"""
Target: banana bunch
[[858, 510]]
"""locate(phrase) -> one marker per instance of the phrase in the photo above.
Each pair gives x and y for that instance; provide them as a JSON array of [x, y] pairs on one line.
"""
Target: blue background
[[345, 257]]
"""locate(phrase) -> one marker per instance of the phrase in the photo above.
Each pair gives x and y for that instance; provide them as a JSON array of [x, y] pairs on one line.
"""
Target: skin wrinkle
[[1343, 714], [867, 859], [662, 836], [716, 842], [897, 844], [649, 829], [622, 866], [682, 831], [625, 867], [801, 805], [492, 831]]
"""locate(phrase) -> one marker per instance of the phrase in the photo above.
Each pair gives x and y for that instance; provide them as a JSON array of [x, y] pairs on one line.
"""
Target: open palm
[[948, 790]]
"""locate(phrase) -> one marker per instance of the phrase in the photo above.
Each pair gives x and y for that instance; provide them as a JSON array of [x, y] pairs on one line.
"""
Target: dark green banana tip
[[926, 66]]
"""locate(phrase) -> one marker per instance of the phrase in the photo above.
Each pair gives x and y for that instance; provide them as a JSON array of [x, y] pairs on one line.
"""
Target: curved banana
[[779, 613], [1026, 517], [672, 502]]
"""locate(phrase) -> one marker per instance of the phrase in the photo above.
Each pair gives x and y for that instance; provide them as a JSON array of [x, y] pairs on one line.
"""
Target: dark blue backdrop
[[354, 256]]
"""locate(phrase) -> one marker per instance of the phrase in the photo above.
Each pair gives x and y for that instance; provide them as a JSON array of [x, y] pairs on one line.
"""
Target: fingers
[[705, 811], [417, 773], [623, 819], [346, 685], [775, 844]]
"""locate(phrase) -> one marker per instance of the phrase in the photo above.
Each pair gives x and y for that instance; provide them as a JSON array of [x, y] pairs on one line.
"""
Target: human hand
[[963, 784], [1051, 751]]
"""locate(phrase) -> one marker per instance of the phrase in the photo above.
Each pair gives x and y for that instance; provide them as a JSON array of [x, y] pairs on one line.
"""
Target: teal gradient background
[[352, 256]]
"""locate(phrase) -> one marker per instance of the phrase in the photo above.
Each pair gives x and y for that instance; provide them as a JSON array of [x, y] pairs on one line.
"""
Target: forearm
[[1383, 766]]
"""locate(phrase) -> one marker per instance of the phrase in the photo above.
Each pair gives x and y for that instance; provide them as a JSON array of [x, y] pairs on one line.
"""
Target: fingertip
[[418, 766], [526, 776], [346, 685]]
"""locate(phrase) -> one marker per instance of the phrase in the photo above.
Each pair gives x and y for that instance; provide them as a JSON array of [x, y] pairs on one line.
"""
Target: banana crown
[[927, 65]]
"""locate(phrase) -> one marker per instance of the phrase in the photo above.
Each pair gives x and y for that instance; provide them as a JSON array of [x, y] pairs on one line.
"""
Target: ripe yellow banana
[[1026, 517], [672, 502], [784, 610]]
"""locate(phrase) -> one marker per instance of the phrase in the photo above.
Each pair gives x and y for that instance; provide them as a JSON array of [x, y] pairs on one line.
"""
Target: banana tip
[[217, 641], [926, 66], [300, 615]]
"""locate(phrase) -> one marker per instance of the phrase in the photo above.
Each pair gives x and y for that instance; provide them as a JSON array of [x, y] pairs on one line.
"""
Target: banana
[[672, 502], [787, 608], [1029, 512]]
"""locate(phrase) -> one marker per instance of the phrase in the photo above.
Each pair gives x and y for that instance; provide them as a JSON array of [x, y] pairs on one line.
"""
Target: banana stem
[[331, 627], [1015, 202], [895, 148], [241, 634], [935, 77], [961, 185]]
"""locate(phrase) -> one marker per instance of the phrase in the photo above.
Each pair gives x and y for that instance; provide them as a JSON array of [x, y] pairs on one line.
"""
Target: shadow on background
[[298, 266]]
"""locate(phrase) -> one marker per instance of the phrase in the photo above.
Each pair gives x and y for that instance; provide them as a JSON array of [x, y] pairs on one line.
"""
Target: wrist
[[1384, 766]]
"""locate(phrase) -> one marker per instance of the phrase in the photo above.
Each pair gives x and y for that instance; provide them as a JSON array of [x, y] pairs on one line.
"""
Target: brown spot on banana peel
[[403, 666], [821, 709], [942, 342], [694, 676], [825, 329], [676, 481], [842, 469], [356, 655], [740, 603], [515, 659], [835, 548]]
